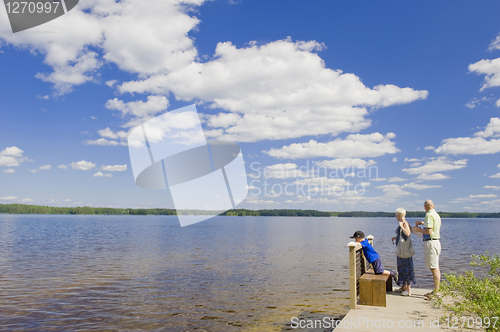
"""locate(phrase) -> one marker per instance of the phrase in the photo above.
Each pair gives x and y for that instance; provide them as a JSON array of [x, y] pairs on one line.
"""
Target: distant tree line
[[277, 213], [40, 209], [469, 215], [365, 214], [419, 214]]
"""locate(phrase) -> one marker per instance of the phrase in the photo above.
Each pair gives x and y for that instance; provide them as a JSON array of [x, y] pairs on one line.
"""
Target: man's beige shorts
[[432, 249]]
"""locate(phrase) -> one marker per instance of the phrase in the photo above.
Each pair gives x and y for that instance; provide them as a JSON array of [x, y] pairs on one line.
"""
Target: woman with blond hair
[[404, 253]]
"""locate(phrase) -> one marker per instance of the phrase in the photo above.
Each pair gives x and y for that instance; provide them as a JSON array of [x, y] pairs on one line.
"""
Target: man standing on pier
[[432, 245]]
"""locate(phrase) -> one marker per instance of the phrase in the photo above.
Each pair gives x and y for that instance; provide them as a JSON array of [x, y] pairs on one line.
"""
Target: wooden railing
[[357, 267]]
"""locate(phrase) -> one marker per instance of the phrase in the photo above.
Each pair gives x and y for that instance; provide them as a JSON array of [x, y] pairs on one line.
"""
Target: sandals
[[431, 295]]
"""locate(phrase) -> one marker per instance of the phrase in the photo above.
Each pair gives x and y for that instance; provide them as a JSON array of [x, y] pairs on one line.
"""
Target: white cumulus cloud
[[491, 130], [482, 196], [393, 190], [111, 83], [136, 111], [321, 181], [490, 68], [41, 168], [355, 145], [108, 133], [82, 165], [436, 176], [8, 198], [11, 157], [396, 179], [492, 187], [114, 168], [345, 163], [275, 91], [419, 186], [435, 165], [101, 142], [101, 174], [278, 90], [469, 145], [479, 144], [284, 171], [137, 38]]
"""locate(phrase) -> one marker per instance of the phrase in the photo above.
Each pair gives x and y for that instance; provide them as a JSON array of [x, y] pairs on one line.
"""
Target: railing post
[[352, 275]]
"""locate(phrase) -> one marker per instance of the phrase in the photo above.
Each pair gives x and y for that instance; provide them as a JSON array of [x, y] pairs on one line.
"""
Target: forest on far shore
[[41, 209]]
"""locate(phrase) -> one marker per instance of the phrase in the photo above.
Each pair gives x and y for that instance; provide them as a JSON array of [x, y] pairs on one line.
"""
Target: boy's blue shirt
[[370, 253]]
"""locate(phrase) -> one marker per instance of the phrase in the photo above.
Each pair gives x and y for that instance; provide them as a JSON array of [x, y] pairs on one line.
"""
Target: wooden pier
[[401, 313]]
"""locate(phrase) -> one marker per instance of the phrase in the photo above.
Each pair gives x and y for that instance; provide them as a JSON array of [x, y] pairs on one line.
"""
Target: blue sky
[[316, 94]]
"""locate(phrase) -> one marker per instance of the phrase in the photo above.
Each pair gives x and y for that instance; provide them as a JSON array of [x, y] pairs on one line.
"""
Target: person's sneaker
[[395, 276], [399, 290], [405, 293]]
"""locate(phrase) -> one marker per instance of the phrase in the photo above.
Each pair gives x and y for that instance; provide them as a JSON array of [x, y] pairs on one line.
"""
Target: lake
[[145, 273]]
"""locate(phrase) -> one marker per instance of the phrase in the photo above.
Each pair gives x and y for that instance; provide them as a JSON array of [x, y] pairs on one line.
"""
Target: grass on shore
[[474, 296]]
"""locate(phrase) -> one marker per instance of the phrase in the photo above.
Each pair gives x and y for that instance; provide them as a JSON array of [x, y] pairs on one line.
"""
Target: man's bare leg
[[436, 274]]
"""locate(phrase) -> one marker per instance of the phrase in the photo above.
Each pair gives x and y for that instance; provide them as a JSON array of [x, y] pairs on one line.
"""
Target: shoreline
[[87, 210]]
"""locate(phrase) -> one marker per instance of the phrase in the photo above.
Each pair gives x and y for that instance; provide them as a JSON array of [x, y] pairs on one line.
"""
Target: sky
[[336, 105]]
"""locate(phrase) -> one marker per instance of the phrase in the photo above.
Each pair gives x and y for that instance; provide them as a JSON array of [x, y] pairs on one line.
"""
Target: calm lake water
[[145, 273]]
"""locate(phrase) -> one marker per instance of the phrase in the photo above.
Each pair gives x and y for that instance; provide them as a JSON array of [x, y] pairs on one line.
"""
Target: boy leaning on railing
[[372, 256]]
